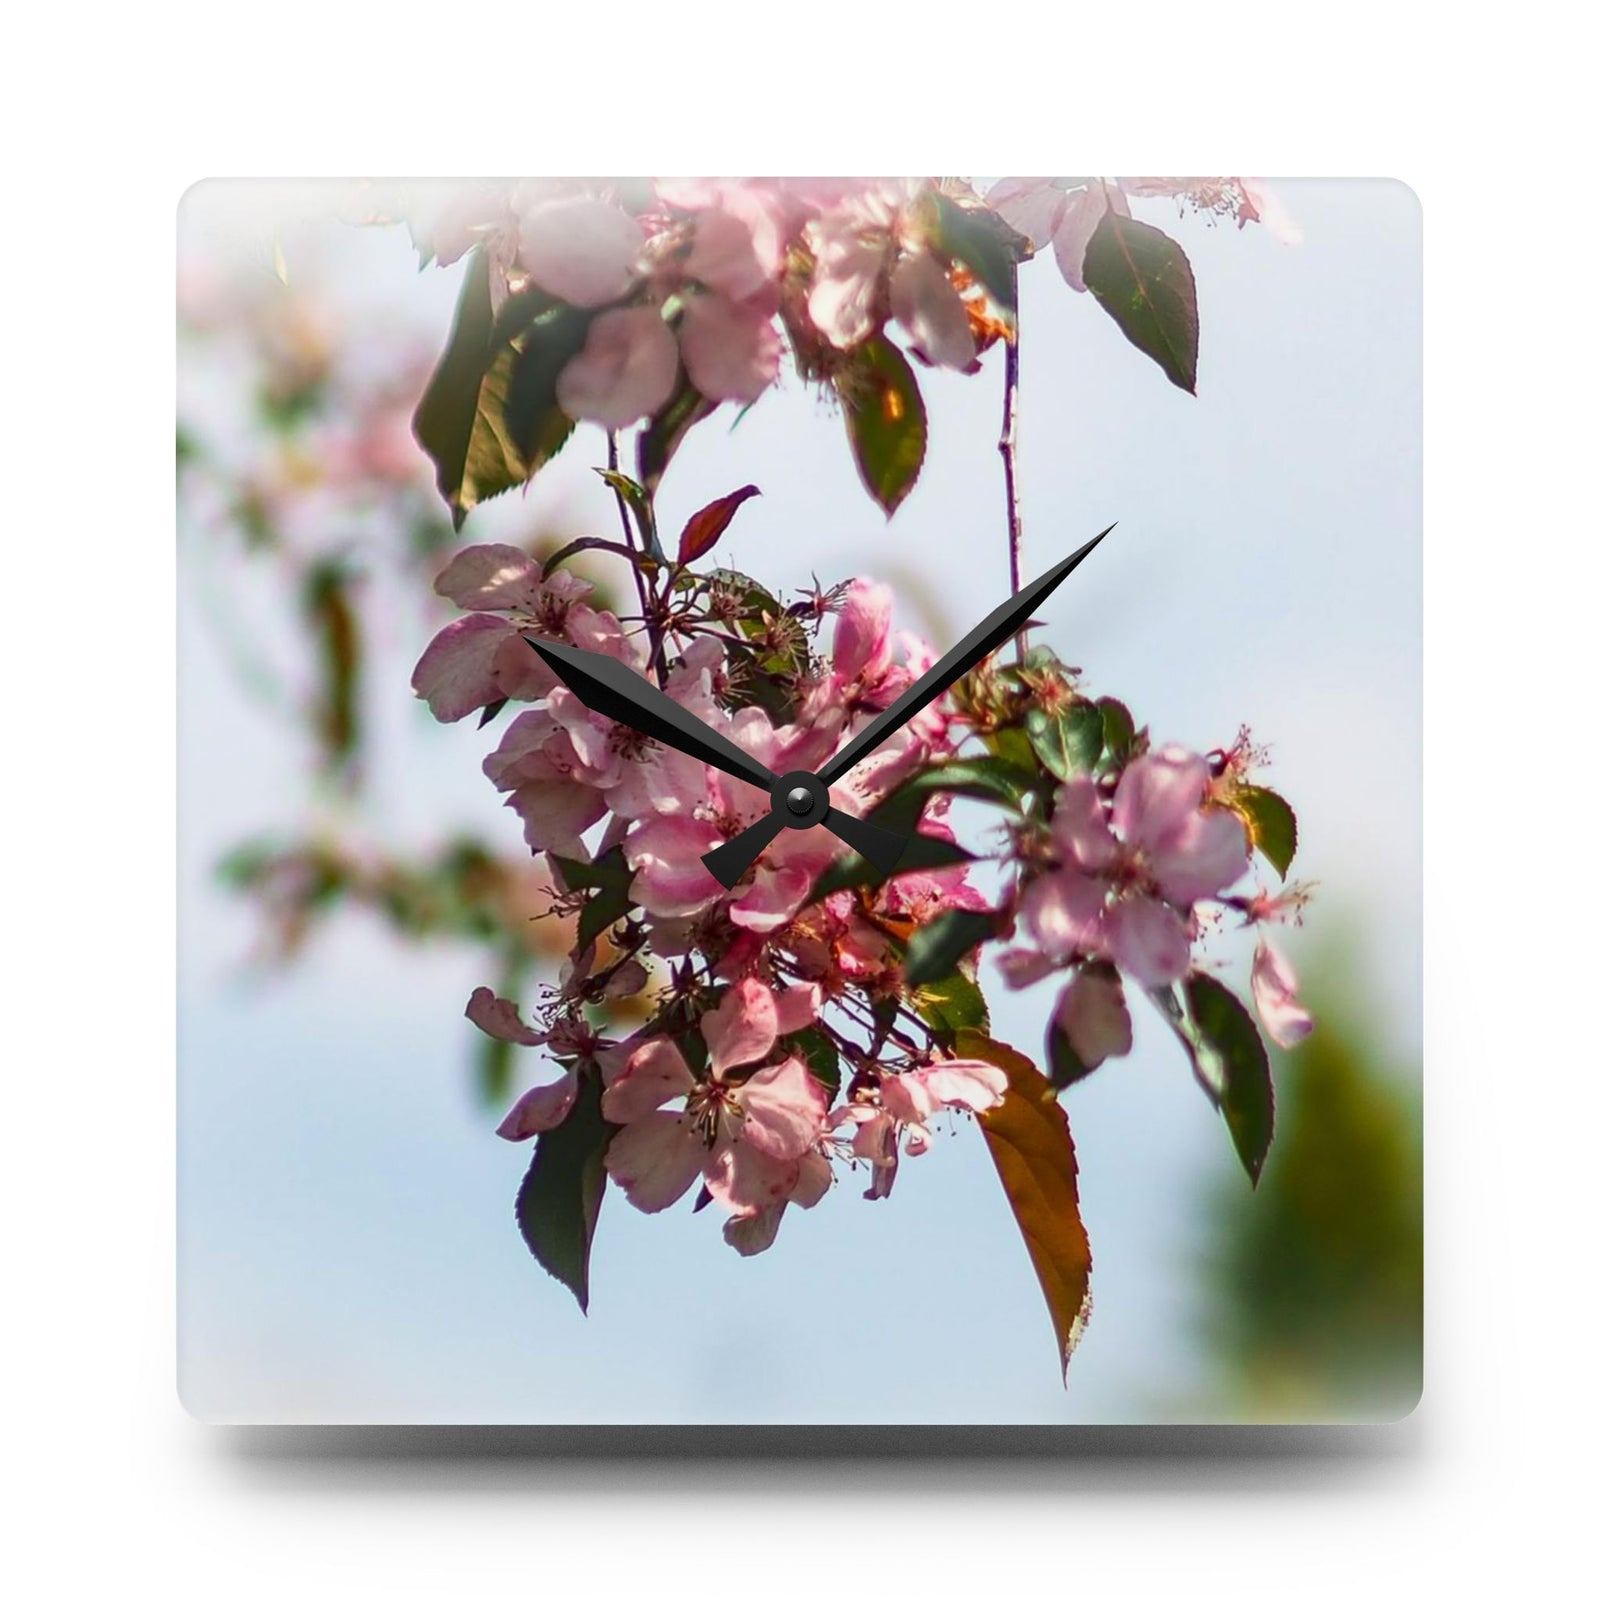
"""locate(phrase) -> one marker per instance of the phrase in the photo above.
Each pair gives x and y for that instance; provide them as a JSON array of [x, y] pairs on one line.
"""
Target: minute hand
[[987, 637], [615, 690]]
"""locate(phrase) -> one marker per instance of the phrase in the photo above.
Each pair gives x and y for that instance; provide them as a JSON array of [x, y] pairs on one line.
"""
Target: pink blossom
[[730, 350], [580, 250], [872, 258], [1093, 1013], [1060, 212], [484, 656], [905, 1104], [1064, 212], [627, 369], [1276, 991], [1124, 885], [747, 1139], [473, 662], [545, 1105]]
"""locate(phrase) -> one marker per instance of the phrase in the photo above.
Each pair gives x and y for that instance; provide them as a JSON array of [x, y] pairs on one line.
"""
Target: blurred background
[[346, 1244]]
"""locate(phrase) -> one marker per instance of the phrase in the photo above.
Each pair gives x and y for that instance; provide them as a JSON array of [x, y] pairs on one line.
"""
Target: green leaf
[[1069, 743], [467, 469], [495, 1062], [1118, 730], [1067, 1067], [534, 422], [1270, 821], [885, 419], [1031, 1144], [984, 242], [923, 853], [659, 441], [936, 948], [1014, 746], [334, 622], [822, 1058], [1145, 283], [983, 778], [949, 1004], [558, 1204], [636, 499], [1231, 1064]]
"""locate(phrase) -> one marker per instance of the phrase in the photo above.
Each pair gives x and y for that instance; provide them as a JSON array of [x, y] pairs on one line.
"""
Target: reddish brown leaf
[[709, 523], [1031, 1144]]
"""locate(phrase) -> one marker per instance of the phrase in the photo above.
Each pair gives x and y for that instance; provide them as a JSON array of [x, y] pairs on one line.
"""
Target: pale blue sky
[[346, 1243]]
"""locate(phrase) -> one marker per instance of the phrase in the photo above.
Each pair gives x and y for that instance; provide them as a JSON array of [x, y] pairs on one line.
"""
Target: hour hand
[[615, 690]]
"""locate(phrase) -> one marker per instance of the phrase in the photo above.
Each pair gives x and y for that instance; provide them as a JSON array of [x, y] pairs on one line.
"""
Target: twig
[[1008, 454], [649, 604]]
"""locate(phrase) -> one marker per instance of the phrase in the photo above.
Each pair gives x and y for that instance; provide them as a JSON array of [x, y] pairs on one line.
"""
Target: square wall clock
[[800, 800]]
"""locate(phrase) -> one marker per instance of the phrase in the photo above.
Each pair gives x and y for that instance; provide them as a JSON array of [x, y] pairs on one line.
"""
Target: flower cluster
[[1131, 875], [813, 1016], [656, 300], [800, 1019]]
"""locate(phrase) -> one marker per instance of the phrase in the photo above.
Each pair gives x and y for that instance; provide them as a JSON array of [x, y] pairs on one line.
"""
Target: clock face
[[685, 785]]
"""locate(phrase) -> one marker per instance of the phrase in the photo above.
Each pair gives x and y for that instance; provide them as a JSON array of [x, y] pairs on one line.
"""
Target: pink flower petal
[[784, 1109], [972, 1085], [723, 256], [1064, 911], [655, 1159], [923, 302], [1267, 209], [580, 250], [1079, 826], [500, 1019], [752, 1234], [543, 1107], [1081, 212], [1158, 795], [1276, 990], [490, 577], [1093, 1013], [1211, 851], [744, 1026], [797, 1006], [1148, 940], [457, 671], [843, 296], [814, 1181], [730, 351], [626, 370], [1032, 206], [747, 1180], [656, 1073], [861, 642], [555, 815], [772, 900], [670, 880]]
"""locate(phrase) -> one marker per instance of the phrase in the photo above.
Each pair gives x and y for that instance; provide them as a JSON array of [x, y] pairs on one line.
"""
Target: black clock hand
[[734, 856], [615, 690], [987, 637], [610, 687]]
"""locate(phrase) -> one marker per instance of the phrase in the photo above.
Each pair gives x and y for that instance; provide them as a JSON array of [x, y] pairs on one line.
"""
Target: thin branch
[[1008, 455], [649, 604]]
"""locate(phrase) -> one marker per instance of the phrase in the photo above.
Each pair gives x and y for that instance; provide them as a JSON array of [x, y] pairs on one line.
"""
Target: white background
[[113, 115]]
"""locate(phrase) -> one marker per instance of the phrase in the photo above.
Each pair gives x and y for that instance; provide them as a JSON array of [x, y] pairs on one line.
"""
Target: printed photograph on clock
[[800, 800]]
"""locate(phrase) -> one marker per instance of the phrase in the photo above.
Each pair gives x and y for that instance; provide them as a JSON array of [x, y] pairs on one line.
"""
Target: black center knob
[[801, 799]]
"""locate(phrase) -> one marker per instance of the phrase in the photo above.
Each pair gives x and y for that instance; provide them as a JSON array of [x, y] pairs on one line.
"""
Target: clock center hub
[[801, 799]]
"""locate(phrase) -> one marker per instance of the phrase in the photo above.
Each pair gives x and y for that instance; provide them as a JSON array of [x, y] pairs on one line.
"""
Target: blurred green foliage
[[1314, 1288]]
